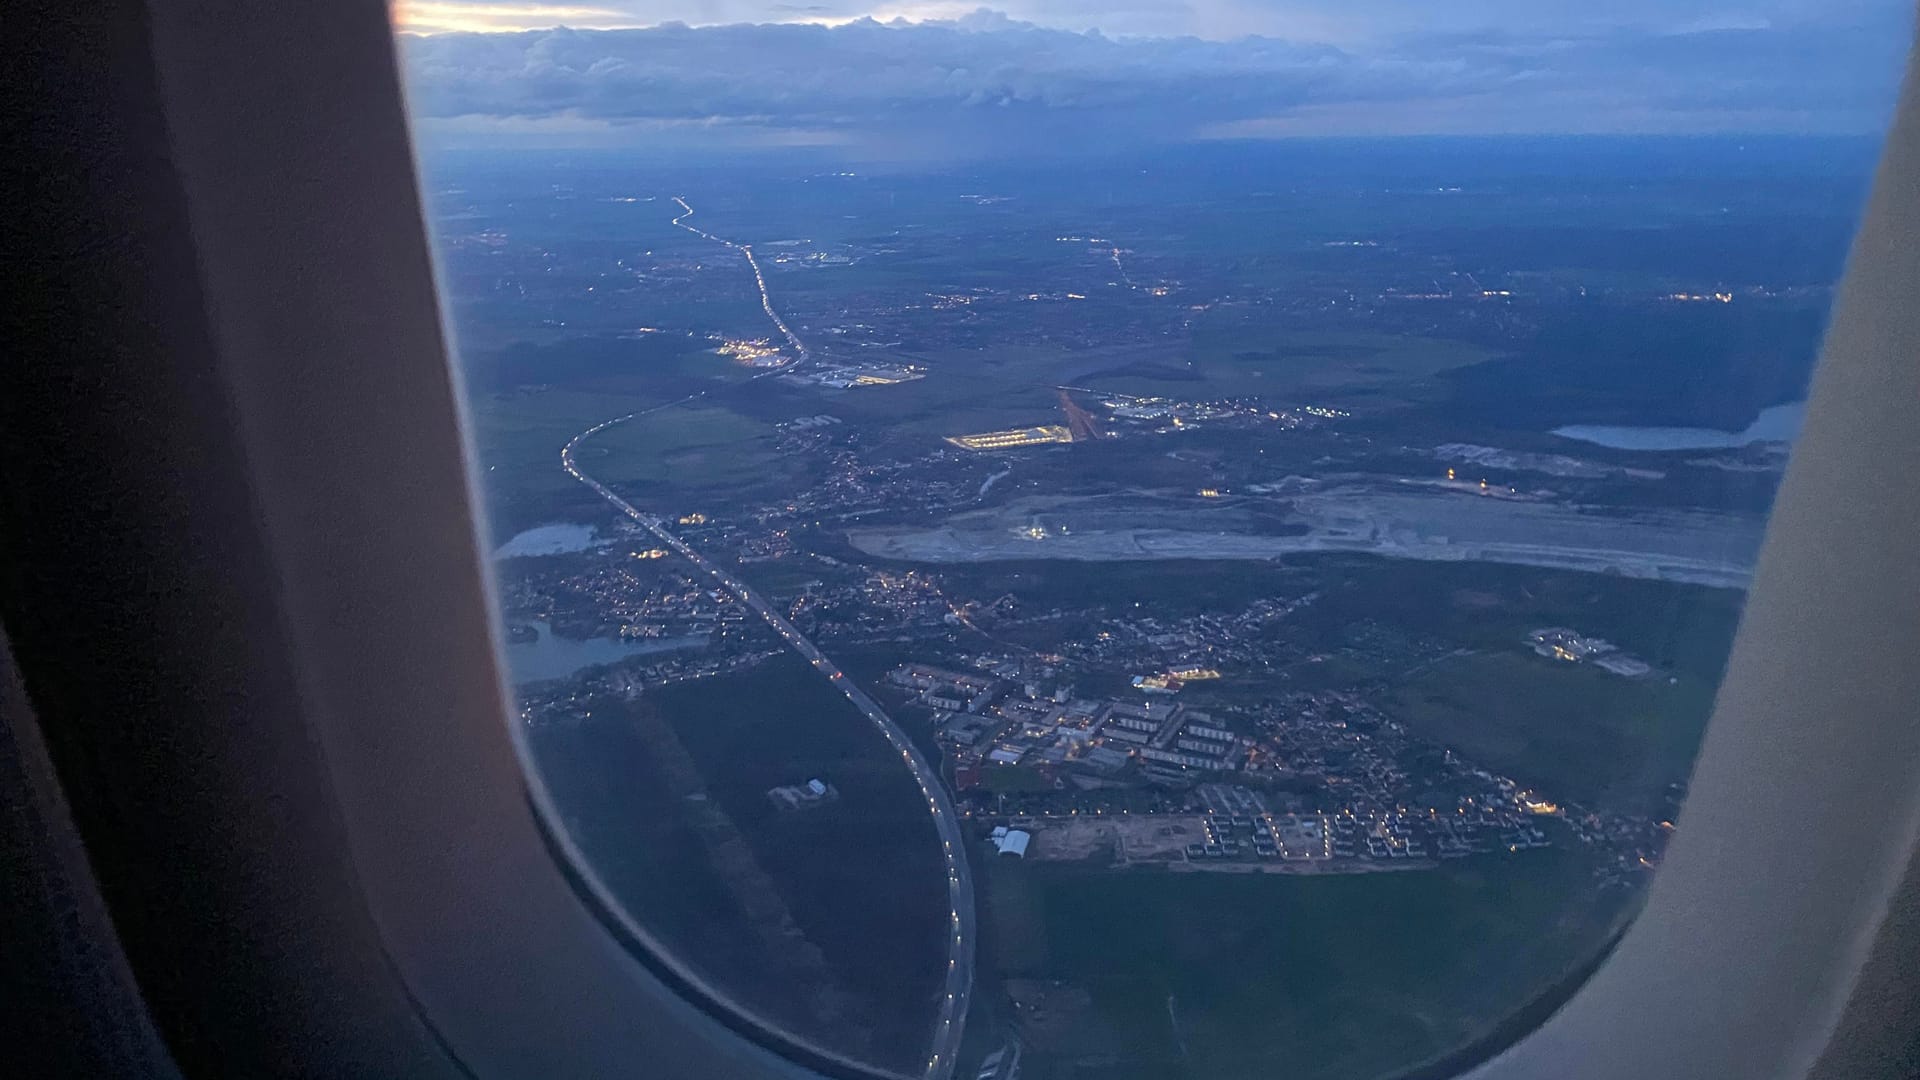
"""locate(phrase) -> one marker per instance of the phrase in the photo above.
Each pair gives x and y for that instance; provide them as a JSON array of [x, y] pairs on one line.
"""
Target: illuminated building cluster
[[758, 352], [1009, 440]]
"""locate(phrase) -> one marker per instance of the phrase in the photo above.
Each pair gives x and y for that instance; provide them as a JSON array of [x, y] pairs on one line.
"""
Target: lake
[[551, 657], [556, 539], [1781, 423]]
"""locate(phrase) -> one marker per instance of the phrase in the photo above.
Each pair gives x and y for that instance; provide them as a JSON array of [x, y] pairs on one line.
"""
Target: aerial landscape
[[1244, 601], [1103, 605]]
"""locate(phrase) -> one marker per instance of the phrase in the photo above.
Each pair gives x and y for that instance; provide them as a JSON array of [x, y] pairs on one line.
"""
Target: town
[[1277, 780], [1314, 782]]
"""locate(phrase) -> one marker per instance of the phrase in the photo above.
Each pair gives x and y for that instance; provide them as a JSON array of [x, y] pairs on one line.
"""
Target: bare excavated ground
[[1122, 839], [1670, 545]]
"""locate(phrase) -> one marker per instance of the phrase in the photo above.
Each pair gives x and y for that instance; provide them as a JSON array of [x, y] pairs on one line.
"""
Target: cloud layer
[[985, 82]]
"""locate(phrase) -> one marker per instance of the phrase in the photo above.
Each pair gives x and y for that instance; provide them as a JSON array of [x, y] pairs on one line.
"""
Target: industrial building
[[1010, 440], [1011, 841]]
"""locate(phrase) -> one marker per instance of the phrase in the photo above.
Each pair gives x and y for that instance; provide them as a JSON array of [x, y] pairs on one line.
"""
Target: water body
[[555, 539], [552, 657], [1780, 423]]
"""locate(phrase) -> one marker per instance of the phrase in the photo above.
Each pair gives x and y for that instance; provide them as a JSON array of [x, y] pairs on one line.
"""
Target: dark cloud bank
[[989, 84]]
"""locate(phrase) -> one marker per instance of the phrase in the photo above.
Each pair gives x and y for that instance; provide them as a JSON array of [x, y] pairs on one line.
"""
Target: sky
[[935, 79]]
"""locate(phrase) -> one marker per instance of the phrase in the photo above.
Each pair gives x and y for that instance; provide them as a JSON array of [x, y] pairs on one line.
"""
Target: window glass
[[1198, 547]]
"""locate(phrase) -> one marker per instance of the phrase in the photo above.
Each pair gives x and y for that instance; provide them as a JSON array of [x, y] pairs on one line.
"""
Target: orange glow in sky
[[446, 16]]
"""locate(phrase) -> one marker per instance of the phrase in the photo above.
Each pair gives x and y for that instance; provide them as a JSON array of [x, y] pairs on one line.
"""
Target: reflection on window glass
[[1204, 549]]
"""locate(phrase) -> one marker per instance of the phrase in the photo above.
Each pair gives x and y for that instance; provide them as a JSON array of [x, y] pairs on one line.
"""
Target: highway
[[759, 279], [951, 1017]]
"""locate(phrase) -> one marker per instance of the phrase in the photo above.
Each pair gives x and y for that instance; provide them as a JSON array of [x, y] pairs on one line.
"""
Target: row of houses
[[1003, 723]]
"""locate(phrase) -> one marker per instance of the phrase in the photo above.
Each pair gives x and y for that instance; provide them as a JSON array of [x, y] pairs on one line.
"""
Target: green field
[[1233, 357], [1680, 629], [1164, 588], [688, 455], [520, 435], [1572, 730], [691, 446], [517, 440], [1015, 778], [1342, 977], [561, 390], [637, 815]]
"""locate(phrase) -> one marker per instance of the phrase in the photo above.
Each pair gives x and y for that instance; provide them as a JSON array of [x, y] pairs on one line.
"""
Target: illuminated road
[[759, 279], [952, 1015]]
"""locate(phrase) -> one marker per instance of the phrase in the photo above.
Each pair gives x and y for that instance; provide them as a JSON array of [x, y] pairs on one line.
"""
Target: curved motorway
[[950, 1020], [759, 279]]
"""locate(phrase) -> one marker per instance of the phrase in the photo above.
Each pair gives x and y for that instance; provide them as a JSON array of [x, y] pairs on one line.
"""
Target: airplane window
[[1188, 540]]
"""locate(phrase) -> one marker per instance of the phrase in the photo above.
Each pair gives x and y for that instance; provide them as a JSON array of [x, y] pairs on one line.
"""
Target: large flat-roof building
[[1014, 439]]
